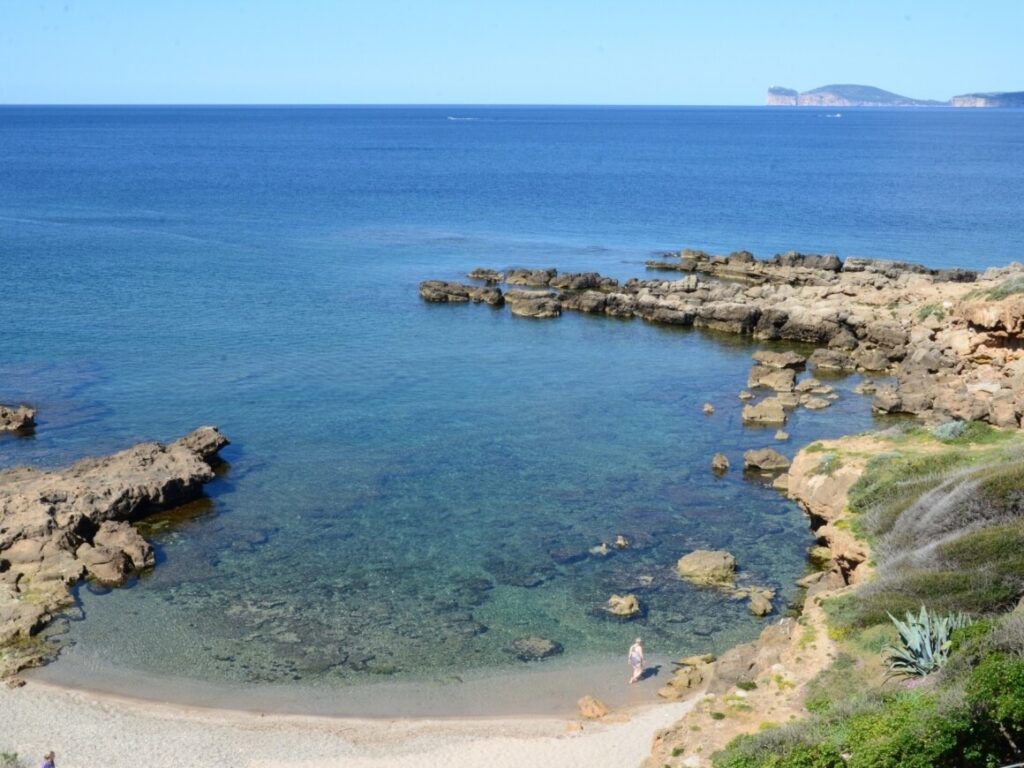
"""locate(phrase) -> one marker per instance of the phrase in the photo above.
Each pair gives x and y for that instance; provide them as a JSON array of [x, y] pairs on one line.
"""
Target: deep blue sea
[[408, 484]]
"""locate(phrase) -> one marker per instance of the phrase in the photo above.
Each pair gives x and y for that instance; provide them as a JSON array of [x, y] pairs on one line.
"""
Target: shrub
[[1008, 287], [925, 641], [909, 731], [996, 688], [949, 430], [790, 747]]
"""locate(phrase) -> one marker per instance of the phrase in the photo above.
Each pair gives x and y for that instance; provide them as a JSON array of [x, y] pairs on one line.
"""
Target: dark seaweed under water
[[411, 486]]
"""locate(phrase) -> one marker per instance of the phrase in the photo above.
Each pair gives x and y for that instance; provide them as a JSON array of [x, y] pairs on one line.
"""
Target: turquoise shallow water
[[412, 486]]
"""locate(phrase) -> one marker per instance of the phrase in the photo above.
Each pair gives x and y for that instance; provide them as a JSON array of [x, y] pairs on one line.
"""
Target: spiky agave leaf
[[925, 641]]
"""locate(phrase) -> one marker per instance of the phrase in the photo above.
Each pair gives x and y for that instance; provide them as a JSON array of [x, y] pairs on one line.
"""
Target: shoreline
[[545, 690], [165, 736]]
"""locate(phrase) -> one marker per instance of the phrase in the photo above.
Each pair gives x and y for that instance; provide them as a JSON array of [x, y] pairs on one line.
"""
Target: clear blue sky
[[518, 51]]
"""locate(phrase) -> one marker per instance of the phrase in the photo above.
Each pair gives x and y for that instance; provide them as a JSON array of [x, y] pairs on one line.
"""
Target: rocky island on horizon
[[847, 95]]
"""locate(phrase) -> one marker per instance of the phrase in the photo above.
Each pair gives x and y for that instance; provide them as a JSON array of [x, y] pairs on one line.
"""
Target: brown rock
[[17, 418], [591, 708], [780, 359], [720, 463], [768, 411], [708, 567], [536, 304], [623, 606], [766, 459]]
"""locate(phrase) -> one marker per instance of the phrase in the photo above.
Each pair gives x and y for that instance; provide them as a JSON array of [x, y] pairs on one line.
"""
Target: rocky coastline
[[952, 343], [952, 340], [59, 527], [764, 680]]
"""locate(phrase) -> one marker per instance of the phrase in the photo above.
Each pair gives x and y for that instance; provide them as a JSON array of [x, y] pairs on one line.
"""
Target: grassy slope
[[945, 520]]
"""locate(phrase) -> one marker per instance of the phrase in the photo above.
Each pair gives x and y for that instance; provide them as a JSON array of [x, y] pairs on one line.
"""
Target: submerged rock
[[533, 648], [623, 606], [719, 463]]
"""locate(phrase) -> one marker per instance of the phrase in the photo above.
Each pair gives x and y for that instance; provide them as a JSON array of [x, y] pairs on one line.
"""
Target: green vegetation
[[1010, 287], [10, 760], [944, 514], [828, 465], [972, 714], [928, 310], [925, 641]]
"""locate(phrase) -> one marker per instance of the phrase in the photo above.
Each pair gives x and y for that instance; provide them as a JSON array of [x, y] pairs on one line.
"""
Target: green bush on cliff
[[1009, 287]]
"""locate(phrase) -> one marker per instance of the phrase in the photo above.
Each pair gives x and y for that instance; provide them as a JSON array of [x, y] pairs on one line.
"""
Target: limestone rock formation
[[719, 463], [456, 293], [708, 567], [952, 340], [19, 418], [780, 359], [765, 459], [768, 411], [539, 304], [57, 526], [487, 275], [533, 278]]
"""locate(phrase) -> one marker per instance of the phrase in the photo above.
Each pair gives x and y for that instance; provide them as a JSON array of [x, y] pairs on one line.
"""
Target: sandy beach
[[89, 730]]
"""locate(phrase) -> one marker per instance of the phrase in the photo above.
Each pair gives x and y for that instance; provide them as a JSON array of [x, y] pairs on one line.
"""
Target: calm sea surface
[[410, 485]]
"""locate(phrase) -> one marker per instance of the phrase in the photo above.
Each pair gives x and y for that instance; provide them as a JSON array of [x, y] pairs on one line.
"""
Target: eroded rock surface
[[57, 527], [19, 418]]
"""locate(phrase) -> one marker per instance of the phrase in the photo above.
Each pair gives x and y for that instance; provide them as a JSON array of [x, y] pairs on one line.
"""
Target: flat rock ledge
[[58, 527]]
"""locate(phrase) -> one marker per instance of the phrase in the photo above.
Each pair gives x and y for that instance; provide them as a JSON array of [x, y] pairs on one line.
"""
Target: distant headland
[[869, 96]]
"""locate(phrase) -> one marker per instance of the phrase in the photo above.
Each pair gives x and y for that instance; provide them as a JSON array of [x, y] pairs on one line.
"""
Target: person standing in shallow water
[[636, 660], [48, 759]]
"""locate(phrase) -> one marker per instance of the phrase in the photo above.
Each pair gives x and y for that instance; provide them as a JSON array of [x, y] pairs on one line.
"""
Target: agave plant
[[924, 643]]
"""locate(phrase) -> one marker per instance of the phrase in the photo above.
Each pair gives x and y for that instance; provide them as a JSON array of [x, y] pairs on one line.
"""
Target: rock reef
[[953, 339], [58, 527]]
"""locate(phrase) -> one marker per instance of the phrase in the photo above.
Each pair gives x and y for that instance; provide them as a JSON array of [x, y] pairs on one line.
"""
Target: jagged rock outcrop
[[765, 460], [457, 293], [56, 527], [540, 304], [19, 418], [487, 275]]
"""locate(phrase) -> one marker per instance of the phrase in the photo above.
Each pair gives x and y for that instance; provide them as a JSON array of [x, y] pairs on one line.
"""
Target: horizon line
[[417, 104]]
